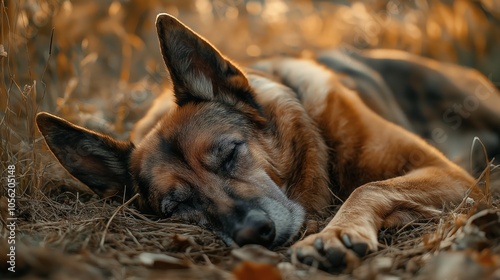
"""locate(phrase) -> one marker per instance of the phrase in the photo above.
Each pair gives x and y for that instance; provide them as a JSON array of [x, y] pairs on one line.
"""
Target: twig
[[47, 62], [133, 237], [101, 244], [334, 195]]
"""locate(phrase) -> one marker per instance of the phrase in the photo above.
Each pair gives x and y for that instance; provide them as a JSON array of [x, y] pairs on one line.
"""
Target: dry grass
[[100, 67]]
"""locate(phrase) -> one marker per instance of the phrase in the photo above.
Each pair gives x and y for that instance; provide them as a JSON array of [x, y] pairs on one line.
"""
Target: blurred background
[[97, 62]]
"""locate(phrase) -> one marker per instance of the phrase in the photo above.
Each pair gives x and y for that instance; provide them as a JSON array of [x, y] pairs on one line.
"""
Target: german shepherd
[[249, 154]]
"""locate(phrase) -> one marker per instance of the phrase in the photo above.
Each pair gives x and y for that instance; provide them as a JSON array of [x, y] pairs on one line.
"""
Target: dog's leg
[[352, 233]]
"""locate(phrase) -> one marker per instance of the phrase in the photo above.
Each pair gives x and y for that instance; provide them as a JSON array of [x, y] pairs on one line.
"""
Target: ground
[[97, 63]]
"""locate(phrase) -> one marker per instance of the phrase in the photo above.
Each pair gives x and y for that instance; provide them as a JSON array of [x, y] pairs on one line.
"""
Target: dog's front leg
[[352, 233]]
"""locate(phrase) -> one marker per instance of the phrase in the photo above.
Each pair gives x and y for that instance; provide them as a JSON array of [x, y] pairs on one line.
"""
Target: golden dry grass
[[97, 64]]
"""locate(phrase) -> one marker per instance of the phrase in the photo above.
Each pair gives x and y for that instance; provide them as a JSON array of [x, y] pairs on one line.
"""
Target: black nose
[[256, 228]]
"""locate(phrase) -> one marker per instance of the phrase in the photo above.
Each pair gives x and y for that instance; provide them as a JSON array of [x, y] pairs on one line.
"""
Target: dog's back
[[446, 104]]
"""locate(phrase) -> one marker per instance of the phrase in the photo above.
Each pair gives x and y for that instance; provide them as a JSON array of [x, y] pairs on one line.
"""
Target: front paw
[[335, 249]]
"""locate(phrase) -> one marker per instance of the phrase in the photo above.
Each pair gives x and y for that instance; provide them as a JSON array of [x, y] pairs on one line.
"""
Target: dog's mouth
[[256, 228], [273, 225]]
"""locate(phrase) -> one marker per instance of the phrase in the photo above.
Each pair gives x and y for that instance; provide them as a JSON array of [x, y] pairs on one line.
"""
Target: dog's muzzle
[[256, 228]]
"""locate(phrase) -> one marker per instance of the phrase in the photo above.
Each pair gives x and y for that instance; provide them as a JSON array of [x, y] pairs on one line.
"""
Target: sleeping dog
[[250, 153]]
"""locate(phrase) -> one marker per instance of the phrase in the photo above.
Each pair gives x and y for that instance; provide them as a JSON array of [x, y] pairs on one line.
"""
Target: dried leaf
[[467, 264], [460, 220], [480, 231], [162, 261], [249, 271], [377, 266], [488, 221], [453, 265], [257, 254], [3, 53], [431, 241], [181, 242], [487, 259]]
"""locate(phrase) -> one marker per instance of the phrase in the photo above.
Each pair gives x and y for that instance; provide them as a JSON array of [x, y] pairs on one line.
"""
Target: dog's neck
[[288, 120]]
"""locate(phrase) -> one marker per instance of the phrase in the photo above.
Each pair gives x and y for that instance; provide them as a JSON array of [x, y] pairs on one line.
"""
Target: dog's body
[[249, 155]]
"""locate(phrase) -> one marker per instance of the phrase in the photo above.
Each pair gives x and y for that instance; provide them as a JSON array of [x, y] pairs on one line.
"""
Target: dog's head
[[207, 162]]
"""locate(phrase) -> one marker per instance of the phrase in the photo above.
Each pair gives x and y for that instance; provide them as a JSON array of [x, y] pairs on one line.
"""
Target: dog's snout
[[257, 228]]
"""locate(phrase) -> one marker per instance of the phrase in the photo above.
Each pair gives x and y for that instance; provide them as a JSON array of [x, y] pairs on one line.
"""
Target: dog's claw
[[299, 254], [347, 241], [319, 246]]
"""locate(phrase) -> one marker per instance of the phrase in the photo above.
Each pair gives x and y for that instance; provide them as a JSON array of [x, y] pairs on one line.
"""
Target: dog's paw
[[335, 249]]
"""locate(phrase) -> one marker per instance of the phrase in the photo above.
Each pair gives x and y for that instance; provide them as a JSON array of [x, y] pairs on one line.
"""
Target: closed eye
[[230, 160], [224, 155]]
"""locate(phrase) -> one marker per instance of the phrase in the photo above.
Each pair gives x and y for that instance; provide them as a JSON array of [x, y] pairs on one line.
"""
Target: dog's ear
[[198, 71], [97, 160]]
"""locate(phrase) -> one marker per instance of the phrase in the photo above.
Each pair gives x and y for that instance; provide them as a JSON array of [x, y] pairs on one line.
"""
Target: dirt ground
[[97, 64]]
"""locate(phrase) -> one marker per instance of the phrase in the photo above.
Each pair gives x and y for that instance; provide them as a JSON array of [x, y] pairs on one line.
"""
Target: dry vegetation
[[97, 64]]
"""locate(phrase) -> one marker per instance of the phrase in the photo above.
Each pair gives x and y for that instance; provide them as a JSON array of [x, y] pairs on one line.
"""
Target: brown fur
[[225, 146]]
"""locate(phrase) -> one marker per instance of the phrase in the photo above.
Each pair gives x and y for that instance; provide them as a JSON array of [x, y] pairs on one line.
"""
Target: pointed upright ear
[[198, 71], [97, 160]]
